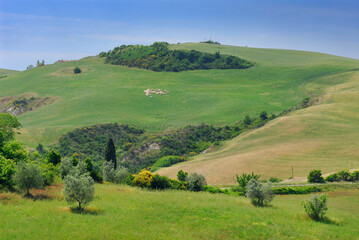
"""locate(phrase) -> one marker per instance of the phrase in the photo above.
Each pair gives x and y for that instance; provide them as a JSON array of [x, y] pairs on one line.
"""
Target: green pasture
[[120, 212], [105, 93]]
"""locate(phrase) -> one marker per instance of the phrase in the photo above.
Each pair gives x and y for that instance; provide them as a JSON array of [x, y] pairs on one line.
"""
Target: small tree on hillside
[[260, 195], [78, 188], [65, 167], [182, 176], [263, 115], [27, 176], [77, 70], [7, 125], [315, 176], [196, 182], [53, 157], [245, 178], [110, 153]]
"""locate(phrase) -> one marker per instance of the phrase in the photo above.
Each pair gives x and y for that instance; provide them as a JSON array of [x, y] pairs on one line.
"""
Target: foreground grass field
[[120, 212], [324, 136], [105, 93]]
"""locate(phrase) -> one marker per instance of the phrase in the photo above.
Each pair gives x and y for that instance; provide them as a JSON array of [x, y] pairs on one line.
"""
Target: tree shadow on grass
[[324, 220], [85, 211], [327, 220]]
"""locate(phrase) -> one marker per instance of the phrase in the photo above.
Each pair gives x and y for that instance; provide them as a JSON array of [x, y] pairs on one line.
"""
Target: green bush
[[259, 194], [160, 182], [212, 189], [296, 190], [53, 157], [275, 180], [182, 176], [7, 170], [354, 176], [196, 182], [344, 175], [166, 162], [77, 70], [245, 178], [316, 206], [315, 176], [178, 185], [332, 178]]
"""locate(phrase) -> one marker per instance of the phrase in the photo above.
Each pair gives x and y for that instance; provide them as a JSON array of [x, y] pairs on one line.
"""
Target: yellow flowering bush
[[143, 179]]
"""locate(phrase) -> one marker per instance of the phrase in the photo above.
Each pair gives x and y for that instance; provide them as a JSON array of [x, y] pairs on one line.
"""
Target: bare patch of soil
[[19, 104]]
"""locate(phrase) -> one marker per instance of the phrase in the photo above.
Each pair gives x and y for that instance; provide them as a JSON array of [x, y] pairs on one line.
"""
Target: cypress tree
[[110, 152]]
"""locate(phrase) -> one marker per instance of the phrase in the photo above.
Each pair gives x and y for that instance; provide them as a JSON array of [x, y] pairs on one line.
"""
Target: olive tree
[[27, 176], [196, 182], [111, 175], [259, 194], [78, 188]]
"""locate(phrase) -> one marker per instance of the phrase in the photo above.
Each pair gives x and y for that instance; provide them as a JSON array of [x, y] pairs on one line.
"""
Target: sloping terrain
[[7, 72], [104, 93], [324, 136]]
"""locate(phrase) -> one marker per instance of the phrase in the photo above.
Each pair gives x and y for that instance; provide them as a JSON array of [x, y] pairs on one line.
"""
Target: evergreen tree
[[110, 152]]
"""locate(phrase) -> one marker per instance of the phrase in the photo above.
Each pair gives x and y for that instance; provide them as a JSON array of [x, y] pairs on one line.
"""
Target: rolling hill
[[7, 72], [322, 136]]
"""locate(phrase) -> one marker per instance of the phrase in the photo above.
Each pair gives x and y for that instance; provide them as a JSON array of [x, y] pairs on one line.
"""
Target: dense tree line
[[137, 149], [157, 57]]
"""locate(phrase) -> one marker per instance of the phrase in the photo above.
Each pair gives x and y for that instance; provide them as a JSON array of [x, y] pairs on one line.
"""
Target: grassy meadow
[[105, 93], [324, 136], [122, 212]]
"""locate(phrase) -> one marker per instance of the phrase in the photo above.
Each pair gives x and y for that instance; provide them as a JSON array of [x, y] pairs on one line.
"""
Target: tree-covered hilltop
[[157, 57]]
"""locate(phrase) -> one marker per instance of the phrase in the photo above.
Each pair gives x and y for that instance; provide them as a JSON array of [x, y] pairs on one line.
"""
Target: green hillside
[[106, 93], [324, 136], [7, 72]]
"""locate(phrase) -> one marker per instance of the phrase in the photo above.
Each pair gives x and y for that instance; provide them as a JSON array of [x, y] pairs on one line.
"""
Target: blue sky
[[62, 29]]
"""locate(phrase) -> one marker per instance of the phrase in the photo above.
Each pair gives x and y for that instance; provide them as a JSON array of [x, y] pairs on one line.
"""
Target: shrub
[[108, 172], [53, 157], [78, 188], [48, 173], [182, 176], [160, 182], [121, 175], [166, 162], [196, 182], [275, 180], [296, 190], [143, 179], [332, 178], [245, 178], [27, 176], [259, 194], [344, 175], [315, 176], [178, 185], [111, 175], [7, 170], [15, 151], [263, 115], [77, 70], [65, 167], [316, 206], [354, 176]]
